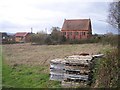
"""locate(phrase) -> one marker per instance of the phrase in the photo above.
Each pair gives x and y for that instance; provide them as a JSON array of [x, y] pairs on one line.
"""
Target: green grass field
[[27, 77], [27, 66]]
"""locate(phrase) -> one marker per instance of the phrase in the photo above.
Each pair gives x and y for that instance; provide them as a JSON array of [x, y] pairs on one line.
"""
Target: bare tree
[[114, 14], [55, 33]]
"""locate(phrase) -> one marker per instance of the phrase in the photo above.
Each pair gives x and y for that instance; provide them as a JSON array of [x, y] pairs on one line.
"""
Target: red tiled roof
[[21, 34], [76, 24]]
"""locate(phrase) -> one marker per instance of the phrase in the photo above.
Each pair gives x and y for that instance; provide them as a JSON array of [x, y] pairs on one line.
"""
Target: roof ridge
[[76, 24], [76, 19], [21, 32]]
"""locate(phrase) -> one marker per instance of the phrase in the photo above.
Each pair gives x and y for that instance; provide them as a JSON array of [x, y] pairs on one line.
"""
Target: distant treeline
[[50, 39], [57, 38]]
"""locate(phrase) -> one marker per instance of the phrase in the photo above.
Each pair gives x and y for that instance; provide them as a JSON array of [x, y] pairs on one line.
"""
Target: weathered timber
[[73, 76], [77, 72], [71, 83], [76, 68], [73, 70], [56, 76]]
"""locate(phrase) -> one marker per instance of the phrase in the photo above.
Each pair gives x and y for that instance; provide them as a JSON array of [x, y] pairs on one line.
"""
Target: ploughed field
[[26, 65]]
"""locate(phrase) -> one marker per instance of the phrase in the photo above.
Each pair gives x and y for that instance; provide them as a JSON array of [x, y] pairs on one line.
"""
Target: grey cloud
[[8, 24], [61, 6], [77, 9]]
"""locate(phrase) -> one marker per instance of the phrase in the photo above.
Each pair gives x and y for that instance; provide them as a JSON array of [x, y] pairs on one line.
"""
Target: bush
[[83, 41], [9, 42], [106, 70], [110, 39], [48, 40], [57, 38], [39, 38]]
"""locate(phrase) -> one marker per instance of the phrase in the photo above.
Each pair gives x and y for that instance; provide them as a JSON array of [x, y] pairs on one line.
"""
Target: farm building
[[22, 37], [77, 28], [6, 38]]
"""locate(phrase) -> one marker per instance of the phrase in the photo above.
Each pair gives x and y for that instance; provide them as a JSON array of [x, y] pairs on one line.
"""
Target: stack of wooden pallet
[[73, 70], [76, 70], [57, 69]]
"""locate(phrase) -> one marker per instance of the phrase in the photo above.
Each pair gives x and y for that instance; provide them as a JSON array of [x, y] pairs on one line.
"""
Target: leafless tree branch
[[114, 14]]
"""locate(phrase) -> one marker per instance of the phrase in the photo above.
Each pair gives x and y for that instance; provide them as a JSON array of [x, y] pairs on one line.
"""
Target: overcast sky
[[21, 15]]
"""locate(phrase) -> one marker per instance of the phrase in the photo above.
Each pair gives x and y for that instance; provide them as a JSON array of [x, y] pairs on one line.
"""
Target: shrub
[[48, 40], [110, 39], [39, 38], [106, 70]]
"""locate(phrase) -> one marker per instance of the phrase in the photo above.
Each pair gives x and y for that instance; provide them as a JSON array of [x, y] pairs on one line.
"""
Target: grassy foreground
[[27, 77], [27, 66]]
